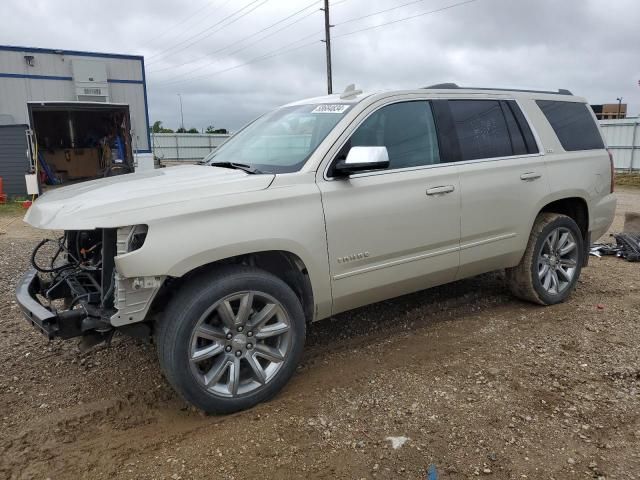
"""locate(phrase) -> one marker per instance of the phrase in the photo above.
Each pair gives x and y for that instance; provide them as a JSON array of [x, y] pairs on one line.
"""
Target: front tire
[[231, 338], [552, 262]]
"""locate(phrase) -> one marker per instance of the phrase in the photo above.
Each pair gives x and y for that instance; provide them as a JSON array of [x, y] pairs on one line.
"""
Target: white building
[[78, 113]]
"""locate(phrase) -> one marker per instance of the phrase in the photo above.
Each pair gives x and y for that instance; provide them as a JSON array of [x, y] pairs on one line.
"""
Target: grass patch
[[628, 179], [11, 209]]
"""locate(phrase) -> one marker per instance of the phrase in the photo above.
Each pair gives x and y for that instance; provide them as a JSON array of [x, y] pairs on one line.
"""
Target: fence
[[623, 139], [172, 148]]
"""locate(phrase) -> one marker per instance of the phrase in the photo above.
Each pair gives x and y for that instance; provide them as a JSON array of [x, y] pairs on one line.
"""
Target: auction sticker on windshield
[[330, 108]]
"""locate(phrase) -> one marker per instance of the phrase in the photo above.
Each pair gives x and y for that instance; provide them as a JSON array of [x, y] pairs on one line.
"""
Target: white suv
[[318, 207]]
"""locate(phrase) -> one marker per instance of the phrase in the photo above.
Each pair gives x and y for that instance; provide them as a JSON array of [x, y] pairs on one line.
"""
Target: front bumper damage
[[51, 322], [77, 291]]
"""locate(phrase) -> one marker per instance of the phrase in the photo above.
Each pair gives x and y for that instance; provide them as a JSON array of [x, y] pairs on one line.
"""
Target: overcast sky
[[198, 48]]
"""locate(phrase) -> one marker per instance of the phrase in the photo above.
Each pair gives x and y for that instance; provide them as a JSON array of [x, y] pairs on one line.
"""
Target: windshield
[[280, 141]]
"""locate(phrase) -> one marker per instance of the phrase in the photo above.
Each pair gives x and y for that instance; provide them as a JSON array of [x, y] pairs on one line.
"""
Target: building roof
[[55, 51]]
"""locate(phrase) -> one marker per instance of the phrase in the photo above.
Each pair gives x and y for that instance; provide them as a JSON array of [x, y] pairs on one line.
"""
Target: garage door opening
[[78, 141]]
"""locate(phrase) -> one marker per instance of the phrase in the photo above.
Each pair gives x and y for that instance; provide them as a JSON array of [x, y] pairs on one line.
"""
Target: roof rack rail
[[454, 86], [448, 86]]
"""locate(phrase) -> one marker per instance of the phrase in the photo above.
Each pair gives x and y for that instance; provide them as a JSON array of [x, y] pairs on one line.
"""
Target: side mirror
[[362, 159]]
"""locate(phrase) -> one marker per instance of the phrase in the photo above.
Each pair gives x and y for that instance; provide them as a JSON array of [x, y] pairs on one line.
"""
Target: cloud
[[587, 46]]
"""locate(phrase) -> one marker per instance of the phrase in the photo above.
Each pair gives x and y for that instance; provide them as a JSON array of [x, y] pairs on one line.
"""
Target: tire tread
[[520, 277], [189, 294]]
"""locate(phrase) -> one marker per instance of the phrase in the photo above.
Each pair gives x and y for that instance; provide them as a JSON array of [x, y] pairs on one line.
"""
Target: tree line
[[158, 128]]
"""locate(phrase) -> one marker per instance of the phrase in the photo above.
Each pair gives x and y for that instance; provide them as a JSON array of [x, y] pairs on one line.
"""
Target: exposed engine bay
[[76, 291], [76, 280]]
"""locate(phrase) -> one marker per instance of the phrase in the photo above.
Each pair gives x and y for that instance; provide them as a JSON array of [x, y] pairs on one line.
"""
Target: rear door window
[[573, 123], [481, 128]]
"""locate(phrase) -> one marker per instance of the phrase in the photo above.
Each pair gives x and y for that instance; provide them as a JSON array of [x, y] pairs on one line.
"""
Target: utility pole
[[619, 106], [327, 41], [181, 114]]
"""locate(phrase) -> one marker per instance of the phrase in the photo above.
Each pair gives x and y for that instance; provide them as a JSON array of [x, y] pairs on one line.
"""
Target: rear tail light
[[613, 171]]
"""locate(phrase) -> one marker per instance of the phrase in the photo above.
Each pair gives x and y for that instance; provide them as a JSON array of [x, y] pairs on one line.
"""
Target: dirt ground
[[480, 384]]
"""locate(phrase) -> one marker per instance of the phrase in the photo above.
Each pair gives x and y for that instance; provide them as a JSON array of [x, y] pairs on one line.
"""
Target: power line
[[177, 77], [285, 50], [208, 29], [209, 4], [208, 56], [379, 12], [249, 44], [264, 57], [273, 53], [405, 18], [243, 48]]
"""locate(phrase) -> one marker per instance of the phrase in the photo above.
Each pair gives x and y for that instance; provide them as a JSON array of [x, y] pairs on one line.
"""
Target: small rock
[[397, 442], [571, 461], [486, 471]]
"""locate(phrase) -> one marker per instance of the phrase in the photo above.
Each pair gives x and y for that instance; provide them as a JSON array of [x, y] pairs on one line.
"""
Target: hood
[[138, 198]]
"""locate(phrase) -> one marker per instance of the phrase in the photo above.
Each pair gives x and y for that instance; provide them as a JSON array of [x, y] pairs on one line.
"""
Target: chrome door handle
[[530, 176], [440, 190]]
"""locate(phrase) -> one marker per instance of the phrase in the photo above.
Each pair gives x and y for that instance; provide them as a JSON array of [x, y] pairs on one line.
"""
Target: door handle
[[530, 176], [440, 190]]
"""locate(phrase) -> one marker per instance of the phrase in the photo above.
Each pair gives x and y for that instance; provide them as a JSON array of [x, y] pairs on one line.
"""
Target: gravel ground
[[471, 380]]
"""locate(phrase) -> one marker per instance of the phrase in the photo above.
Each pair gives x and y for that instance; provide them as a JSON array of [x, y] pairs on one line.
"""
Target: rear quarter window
[[573, 123]]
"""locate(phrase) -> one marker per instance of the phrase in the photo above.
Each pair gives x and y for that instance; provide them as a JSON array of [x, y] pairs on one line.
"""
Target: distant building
[[610, 111]]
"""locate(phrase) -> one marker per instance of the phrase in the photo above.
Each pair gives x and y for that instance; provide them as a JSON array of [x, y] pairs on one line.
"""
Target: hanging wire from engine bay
[[79, 261], [80, 257]]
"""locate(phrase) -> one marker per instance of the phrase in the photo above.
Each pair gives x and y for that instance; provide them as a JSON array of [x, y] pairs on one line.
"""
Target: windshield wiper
[[236, 166]]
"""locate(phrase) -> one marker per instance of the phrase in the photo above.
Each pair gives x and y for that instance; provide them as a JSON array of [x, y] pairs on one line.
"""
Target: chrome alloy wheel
[[239, 344], [557, 260]]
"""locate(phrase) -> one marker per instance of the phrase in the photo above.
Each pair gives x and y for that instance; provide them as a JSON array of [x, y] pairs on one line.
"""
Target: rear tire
[[231, 338], [551, 265]]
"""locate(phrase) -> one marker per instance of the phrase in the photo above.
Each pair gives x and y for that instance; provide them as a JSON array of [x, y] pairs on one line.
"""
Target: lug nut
[[238, 353], [249, 346], [240, 328], [227, 348], [229, 336], [249, 333]]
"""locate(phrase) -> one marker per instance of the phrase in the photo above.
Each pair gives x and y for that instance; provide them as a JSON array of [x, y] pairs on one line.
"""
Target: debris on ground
[[627, 246]]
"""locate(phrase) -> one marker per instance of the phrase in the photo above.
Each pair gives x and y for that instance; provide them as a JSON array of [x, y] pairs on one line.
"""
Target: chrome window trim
[[393, 100]]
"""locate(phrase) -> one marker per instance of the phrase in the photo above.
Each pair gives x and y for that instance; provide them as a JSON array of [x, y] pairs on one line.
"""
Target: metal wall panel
[[133, 95], [184, 147], [13, 159], [623, 140]]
